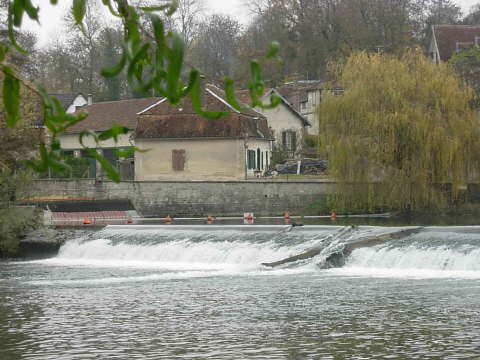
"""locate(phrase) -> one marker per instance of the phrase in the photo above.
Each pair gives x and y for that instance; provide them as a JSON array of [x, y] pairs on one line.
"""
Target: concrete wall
[[191, 198]]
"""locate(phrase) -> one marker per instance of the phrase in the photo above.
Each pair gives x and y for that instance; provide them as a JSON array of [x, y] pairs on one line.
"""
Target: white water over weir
[[270, 248]]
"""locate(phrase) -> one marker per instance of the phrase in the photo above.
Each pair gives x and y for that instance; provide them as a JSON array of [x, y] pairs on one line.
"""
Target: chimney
[[89, 99]]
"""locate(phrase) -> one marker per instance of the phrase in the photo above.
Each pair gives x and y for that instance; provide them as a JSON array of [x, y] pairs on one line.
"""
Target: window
[[259, 159], [289, 140], [178, 160], [251, 163]]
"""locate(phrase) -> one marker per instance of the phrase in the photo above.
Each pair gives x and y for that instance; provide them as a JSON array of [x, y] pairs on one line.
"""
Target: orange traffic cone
[[87, 221], [168, 220], [333, 216]]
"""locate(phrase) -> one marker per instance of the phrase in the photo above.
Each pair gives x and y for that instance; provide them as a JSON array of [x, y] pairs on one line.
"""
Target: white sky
[[51, 26]]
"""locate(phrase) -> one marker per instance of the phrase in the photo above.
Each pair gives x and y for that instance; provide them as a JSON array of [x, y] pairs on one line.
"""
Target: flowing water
[[193, 292]]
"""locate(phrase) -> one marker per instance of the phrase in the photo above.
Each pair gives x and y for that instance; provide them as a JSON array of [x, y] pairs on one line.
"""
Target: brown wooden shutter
[[178, 160]]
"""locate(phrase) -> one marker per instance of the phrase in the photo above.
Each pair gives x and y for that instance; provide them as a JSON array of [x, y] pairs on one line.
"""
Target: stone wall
[[159, 198]]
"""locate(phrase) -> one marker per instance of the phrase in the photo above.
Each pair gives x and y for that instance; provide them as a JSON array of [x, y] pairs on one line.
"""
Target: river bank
[[45, 242]]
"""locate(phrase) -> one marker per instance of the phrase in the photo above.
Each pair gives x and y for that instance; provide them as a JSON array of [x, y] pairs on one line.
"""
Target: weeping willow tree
[[402, 135]]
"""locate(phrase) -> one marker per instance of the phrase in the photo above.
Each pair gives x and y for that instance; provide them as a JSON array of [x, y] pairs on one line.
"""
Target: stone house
[[287, 125], [186, 146], [102, 116], [305, 96], [446, 40], [181, 144]]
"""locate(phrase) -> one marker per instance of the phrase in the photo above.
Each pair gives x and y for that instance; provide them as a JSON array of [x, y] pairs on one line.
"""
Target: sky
[[51, 26]]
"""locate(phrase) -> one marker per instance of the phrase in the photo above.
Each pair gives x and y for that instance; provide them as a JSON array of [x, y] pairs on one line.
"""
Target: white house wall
[[265, 148], [205, 159], [311, 113], [282, 119], [71, 142]]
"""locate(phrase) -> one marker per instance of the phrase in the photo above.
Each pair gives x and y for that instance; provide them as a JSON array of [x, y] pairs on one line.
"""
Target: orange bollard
[[87, 221], [168, 220], [333, 216], [287, 218], [248, 218], [210, 219]]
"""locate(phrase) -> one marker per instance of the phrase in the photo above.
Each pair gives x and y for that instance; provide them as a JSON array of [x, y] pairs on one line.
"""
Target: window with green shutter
[[251, 159]]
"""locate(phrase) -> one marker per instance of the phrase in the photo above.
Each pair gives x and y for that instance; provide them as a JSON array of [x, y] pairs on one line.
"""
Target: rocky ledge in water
[[46, 242]]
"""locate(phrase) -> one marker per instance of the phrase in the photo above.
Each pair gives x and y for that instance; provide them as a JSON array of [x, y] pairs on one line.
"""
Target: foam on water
[[182, 253], [407, 273], [452, 252]]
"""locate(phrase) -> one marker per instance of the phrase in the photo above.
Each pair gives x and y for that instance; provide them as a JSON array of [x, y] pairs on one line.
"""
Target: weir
[[271, 248], [342, 244]]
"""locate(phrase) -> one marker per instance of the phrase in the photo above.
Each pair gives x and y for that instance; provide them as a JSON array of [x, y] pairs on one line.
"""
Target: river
[[183, 292]]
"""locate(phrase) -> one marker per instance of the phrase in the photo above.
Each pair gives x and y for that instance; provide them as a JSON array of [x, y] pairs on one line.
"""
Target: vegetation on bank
[[17, 145], [15, 222], [402, 137]]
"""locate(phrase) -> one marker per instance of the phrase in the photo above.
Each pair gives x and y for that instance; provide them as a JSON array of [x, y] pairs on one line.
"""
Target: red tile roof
[[167, 121], [103, 115], [447, 37]]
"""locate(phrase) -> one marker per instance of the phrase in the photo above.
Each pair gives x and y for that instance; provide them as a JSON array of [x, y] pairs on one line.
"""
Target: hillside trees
[[402, 133], [215, 49]]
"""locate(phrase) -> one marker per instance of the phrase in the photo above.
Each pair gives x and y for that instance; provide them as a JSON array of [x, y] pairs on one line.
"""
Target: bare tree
[[215, 47], [83, 46]]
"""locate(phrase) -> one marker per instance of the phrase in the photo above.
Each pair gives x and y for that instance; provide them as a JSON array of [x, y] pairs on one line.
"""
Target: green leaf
[[127, 153], [155, 8], [87, 133], [230, 94], [113, 132], [135, 68], [273, 50], [111, 172], [79, 10], [18, 10], [257, 89], [31, 10], [196, 96], [158, 29], [11, 30], [11, 97], [116, 69], [175, 64], [108, 4], [173, 7], [3, 51]]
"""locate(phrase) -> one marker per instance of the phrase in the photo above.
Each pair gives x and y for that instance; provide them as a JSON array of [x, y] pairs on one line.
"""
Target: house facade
[[447, 40], [305, 96], [286, 124], [102, 116], [183, 145]]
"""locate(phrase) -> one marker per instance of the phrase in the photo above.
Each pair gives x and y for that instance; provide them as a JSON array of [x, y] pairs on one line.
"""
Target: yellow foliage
[[401, 133]]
